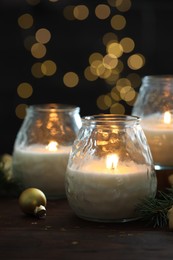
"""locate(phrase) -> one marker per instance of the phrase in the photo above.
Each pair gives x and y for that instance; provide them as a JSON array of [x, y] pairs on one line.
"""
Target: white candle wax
[[112, 194], [160, 138], [35, 166]]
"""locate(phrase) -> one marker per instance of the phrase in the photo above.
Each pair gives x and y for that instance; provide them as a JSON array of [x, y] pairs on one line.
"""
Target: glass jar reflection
[[154, 105], [110, 169], [42, 147]]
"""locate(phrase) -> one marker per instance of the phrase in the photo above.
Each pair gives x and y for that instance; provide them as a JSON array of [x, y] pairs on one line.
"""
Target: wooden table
[[62, 235]]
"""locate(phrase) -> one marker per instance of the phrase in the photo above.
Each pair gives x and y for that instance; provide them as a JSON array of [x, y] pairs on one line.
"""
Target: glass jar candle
[[42, 147], [154, 105], [110, 169]]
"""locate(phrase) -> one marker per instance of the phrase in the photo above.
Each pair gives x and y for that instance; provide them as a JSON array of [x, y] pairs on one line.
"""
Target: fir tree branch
[[154, 211]]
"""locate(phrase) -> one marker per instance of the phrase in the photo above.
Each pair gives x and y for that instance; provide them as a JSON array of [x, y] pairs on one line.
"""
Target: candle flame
[[52, 146], [167, 117], [112, 161]]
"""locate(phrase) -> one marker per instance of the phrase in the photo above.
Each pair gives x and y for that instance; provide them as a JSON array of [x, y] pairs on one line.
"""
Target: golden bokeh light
[[43, 35], [135, 79], [68, 12], [117, 108], [127, 44], [24, 90], [70, 79], [96, 56], [29, 41], [48, 67], [113, 77], [104, 102], [89, 75], [36, 70], [109, 37], [102, 11], [119, 68], [118, 22], [25, 21], [124, 93], [108, 66], [38, 50], [136, 61], [81, 12], [100, 70], [121, 83], [115, 94], [115, 49], [123, 5], [20, 110], [130, 95], [105, 74], [96, 63], [110, 61], [112, 2]]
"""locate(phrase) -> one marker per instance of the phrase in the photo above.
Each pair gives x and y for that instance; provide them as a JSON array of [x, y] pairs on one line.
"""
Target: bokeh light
[[118, 22], [123, 5], [102, 11], [106, 65], [68, 12], [104, 102], [89, 75], [109, 37], [24, 90], [81, 12], [115, 49], [127, 44], [38, 50], [36, 70], [48, 67], [25, 21], [20, 110], [29, 42], [136, 61], [117, 108], [43, 35], [70, 79]]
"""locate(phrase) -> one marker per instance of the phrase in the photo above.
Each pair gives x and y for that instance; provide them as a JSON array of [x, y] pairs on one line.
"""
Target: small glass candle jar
[[154, 105], [42, 147], [110, 169]]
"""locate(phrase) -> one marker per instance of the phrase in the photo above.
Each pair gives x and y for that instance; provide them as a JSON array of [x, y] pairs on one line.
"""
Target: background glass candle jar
[[42, 147], [110, 169], [154, 105]]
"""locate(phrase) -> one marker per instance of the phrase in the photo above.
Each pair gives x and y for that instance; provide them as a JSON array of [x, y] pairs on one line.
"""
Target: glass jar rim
[[159, 77], [110, 118], [57, 107]]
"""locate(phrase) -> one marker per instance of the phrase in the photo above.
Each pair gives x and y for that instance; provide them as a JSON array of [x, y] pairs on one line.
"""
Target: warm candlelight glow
[[111, 161], [167, 117], [52, 146]]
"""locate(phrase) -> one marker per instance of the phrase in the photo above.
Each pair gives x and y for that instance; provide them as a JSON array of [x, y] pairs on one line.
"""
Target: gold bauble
[[33, 201]]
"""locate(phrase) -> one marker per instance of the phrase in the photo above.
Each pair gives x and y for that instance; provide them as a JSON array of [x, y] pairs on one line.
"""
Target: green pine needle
[[154, 211]]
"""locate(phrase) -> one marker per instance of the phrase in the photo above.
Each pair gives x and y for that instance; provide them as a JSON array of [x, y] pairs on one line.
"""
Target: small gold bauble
[[33, 201]]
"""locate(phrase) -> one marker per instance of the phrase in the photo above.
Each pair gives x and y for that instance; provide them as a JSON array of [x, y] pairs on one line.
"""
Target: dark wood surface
[[62, 235]]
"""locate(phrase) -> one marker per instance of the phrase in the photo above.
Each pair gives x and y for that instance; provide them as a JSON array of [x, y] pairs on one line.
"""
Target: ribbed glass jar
[[42, 147], [110, 169], [154, 105]]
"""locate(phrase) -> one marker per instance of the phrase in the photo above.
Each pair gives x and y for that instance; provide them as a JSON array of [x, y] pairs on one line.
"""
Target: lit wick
[[111, 161], [52, 146], [167, 117]]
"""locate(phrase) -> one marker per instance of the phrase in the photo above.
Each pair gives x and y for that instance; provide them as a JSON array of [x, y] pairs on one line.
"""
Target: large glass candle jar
[[110, 169], [154, 105], [42, 147]]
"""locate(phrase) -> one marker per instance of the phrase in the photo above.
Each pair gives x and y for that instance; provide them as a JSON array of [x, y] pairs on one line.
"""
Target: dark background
[[149, 24]]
